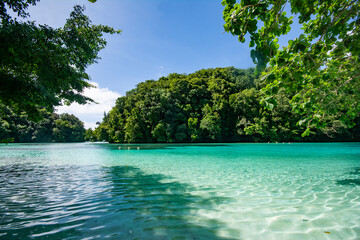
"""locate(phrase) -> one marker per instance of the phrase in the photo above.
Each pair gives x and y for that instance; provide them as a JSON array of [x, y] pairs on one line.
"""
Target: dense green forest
[[210, 105], [52, 128]]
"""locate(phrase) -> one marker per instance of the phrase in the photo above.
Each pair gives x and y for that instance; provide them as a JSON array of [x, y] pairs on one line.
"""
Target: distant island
[[52, 128], [210, 105]]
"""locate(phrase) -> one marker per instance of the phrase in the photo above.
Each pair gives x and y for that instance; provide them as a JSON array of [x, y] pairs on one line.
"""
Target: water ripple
[[227, 192], [69, 201]]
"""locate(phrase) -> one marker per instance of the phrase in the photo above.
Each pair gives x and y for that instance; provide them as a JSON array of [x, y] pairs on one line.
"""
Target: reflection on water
[[149, 146], [235, 191], [73, 202], [354, 178], [349, 182]]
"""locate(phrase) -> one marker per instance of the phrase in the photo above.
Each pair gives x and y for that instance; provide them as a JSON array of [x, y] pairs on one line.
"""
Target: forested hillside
[[210, 105], [52, 128]]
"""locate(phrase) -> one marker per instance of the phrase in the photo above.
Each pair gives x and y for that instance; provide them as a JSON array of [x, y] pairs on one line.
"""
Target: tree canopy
[[320, 68], [210, 105], [52, 128], [44, 67]]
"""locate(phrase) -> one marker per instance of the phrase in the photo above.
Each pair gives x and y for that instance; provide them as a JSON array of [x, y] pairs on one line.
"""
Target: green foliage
[[89, 135], [210, 105], [319, 69], [6, 141], [68, 128], [43, 67], [52, 127]]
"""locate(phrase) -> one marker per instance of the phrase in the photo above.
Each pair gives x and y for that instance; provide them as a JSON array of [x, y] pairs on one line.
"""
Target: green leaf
[[306, 133], [302, 121]]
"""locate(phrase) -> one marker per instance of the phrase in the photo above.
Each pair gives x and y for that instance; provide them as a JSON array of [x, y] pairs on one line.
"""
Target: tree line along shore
[[210, 105]]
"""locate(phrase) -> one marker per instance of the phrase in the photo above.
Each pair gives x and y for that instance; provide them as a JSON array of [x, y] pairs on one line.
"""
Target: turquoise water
[[213, 191]]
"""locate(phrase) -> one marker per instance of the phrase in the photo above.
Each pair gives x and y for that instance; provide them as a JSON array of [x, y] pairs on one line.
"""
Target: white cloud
[[92, 113], [161, 71]]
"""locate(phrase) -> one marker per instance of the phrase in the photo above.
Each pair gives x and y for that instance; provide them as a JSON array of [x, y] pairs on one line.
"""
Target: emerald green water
[[214, 191]]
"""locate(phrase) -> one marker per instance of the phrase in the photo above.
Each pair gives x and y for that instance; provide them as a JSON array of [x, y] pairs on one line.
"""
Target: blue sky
[[158, 37]]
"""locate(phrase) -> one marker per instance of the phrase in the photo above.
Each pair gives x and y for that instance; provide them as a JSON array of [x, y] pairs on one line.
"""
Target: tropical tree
[[43, 67], [320, 68]]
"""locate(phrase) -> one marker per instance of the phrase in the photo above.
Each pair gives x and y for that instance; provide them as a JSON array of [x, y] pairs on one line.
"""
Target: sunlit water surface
[[214, 191]]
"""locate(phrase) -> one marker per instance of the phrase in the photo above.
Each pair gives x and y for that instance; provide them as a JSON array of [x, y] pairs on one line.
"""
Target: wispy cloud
[[160, 71], [91, 113]]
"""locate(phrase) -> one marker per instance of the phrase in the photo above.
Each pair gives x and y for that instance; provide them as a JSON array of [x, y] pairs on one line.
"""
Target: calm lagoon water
[[213, 191]]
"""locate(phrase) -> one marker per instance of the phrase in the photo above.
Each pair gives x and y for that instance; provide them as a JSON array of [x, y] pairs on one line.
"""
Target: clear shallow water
[[216, 191]]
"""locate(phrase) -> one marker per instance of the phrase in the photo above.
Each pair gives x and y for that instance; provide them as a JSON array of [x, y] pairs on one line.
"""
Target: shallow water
[[209, 191]]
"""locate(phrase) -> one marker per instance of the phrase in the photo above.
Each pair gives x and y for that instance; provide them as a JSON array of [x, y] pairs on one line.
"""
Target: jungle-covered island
[[210, 105], [53, 127]]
